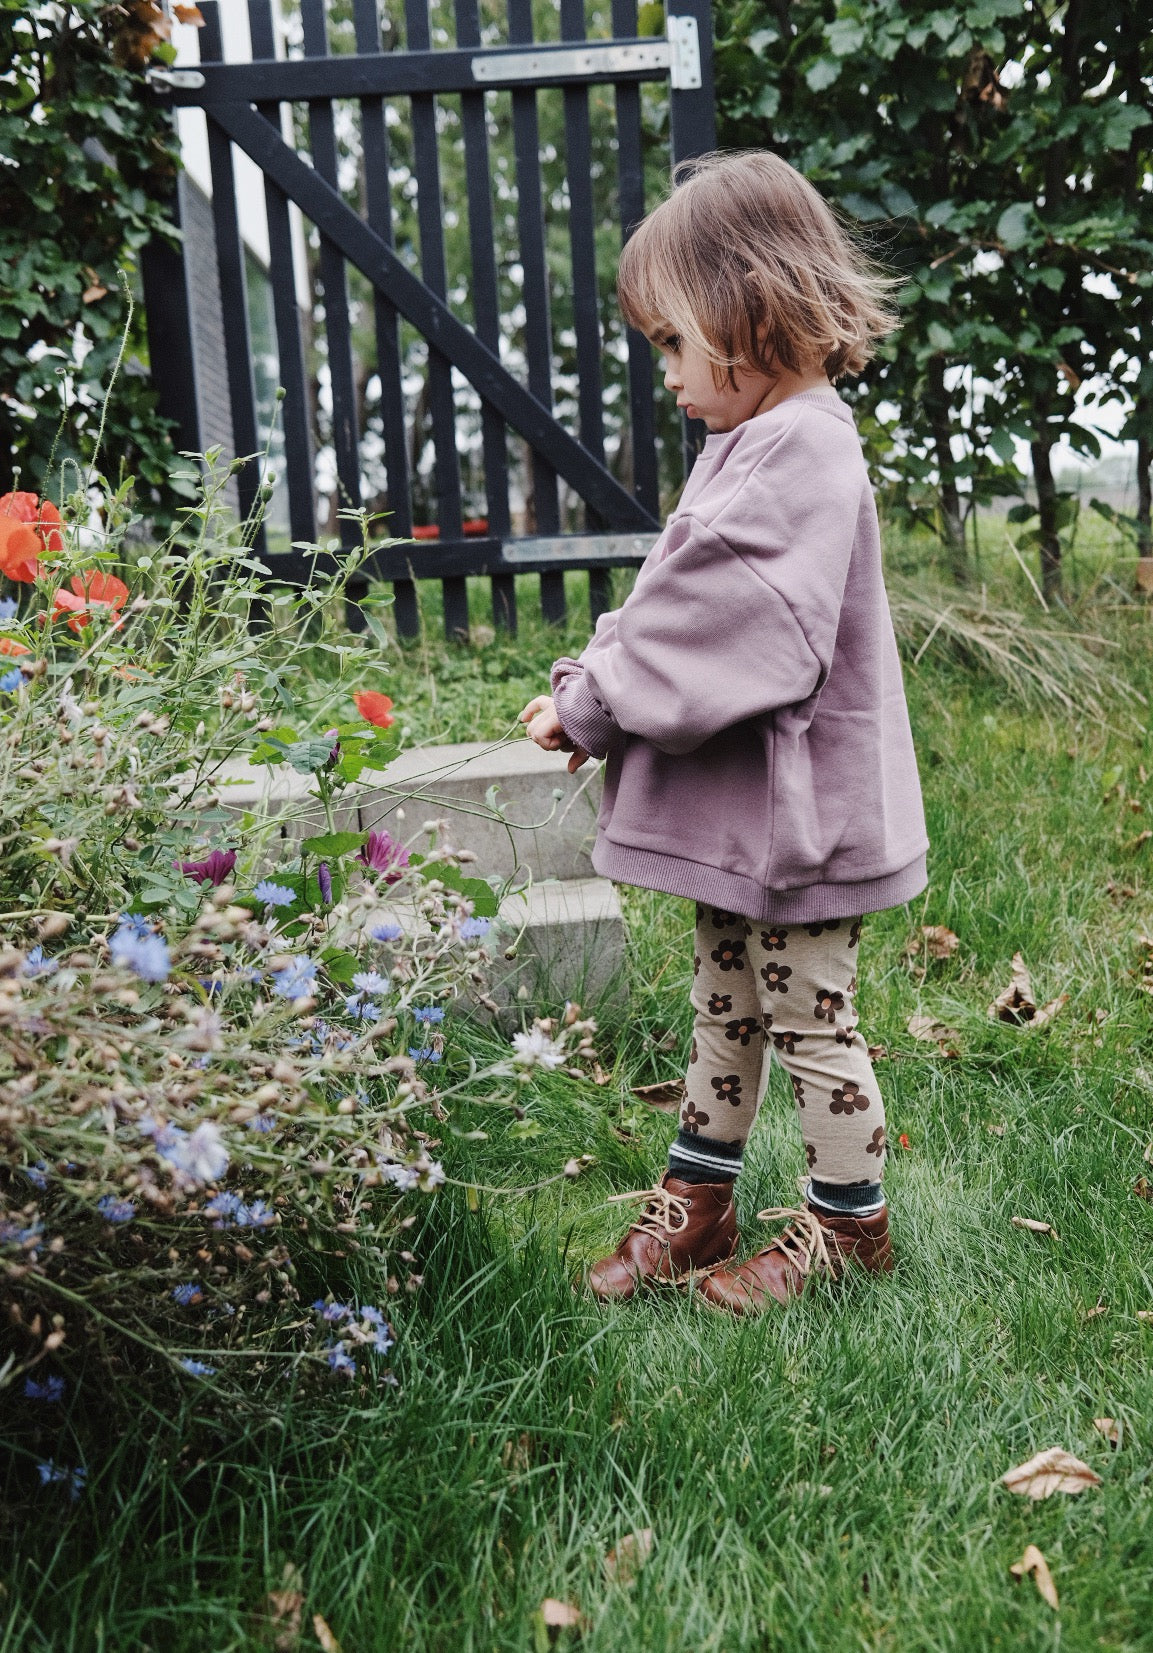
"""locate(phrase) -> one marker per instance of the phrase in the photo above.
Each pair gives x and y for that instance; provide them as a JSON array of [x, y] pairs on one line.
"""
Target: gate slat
[[233, 292], [298, 457], [334, 281], [586, 295], [535, 292], [631, 173], [378, 203], [426, 160], [486, 307]]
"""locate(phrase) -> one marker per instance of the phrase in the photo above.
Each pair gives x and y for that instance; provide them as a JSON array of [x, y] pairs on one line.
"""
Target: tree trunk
[[952, 522], [1047, 505]]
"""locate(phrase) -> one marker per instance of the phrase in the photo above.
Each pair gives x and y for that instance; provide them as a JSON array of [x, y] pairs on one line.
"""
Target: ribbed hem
[[651, 870], [704, 1158], [862, 1199], [583, 718]]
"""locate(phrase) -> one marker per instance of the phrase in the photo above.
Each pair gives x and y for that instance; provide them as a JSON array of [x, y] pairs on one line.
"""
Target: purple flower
[[114, 1210], [324, 879], [386, 932], [381, 852], [74, 1479], [36, 964], [188, 1294], [274, 895], [341, 1361], [146, 954], [52, 1389], [263, 1123], [197, 1369], [215, 869], [384, 1340], [296, 980]]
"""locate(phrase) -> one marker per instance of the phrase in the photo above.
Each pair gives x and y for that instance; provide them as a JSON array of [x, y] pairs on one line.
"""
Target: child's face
[[689, 375]]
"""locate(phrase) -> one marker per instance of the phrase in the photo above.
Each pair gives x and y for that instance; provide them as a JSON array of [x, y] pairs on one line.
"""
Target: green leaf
[[340, 965], [1014, 225], [482, 895], [939, 337], [1003, 446], [822, 74], [334, 843], [307, 756], [651, 18]]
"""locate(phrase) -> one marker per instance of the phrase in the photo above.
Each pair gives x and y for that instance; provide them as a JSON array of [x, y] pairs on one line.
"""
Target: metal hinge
[[175, 80], [598, 60], [685, 54]]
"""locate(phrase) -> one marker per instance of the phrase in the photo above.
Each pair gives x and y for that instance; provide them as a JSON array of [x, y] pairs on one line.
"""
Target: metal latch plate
[[175, 80]]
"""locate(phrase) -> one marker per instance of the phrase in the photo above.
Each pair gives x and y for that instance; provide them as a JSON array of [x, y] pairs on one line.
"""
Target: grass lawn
[[822, 1479]]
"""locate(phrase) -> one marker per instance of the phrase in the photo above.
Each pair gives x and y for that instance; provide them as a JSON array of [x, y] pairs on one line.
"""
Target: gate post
[[168, 322]]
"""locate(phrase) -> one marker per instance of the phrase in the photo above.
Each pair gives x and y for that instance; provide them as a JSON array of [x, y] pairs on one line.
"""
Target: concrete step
[[571, 945], [541, 834]]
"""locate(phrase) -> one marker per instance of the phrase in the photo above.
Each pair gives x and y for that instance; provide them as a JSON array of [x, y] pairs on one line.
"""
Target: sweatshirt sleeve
[[737, 619]]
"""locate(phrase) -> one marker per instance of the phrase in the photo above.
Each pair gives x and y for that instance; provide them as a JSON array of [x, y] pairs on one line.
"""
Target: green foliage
[[87, 168], [997, 154]]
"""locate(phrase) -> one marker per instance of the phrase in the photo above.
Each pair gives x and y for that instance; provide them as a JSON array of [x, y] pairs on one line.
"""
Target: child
[[748, 699]]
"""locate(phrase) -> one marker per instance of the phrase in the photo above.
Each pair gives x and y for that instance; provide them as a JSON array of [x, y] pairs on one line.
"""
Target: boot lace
[[802, 1240], [664, 1215]]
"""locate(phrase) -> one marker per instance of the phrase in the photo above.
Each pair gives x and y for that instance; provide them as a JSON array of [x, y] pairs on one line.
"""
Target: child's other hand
[[545, 727]]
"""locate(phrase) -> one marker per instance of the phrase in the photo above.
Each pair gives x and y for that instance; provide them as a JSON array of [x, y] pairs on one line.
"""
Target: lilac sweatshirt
[[748, 693]]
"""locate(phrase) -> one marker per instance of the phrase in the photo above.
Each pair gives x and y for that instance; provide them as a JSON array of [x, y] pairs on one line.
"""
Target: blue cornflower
[[332, 1312], [73, 1479], [362, 1009], [258, 1215], [341, 1361], [424, 1053], [225, 1208], [197, 1369], [145, 954], [36, 964], [263, 1123], [432, 1013], [11, 1233], [371, 1314], [114, 1210], [188, 1294], [52, 1389], [7, 608], [296, 980], [472, 928], [386, 932], [384, 1340], [136, 922], [370, 981], [11, 681], [37, 1174], [274, 895]]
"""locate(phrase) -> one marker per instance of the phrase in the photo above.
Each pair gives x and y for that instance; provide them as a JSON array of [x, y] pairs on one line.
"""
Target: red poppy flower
[[38, 514], [20, 549], [9, 645], [904, 1141], [94, 594], [374, 708]]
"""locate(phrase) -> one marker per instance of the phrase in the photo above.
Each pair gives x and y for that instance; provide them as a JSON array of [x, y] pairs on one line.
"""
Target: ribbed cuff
[[858, 1199], [696, 1158], [584, 720]]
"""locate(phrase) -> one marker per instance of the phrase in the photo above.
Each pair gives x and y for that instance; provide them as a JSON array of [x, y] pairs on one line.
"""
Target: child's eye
[[672, 344]]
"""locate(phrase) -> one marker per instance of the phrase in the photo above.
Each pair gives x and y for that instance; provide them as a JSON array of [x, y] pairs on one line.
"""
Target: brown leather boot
[[684, 1226], [812, 1244]]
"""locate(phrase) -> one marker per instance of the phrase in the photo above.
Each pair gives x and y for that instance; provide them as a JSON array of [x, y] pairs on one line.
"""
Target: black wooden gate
[[243, 102]]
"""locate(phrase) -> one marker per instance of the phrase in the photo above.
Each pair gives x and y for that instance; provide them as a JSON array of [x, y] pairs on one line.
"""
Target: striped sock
[[856, 1199], [695, 1158]]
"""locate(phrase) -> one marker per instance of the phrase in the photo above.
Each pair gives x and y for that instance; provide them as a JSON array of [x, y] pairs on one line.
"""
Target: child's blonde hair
[[747, 262]]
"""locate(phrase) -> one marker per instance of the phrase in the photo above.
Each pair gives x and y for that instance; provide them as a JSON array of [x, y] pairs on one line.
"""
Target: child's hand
[[546, 729]]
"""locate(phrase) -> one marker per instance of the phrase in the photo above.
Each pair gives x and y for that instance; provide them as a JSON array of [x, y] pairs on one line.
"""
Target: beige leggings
[[764, 988]]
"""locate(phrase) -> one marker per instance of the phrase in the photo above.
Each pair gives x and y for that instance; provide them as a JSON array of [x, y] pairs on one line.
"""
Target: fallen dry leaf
[[1141, 839], [188, 14], [1034, 1562], [1017, 1004], [1035, 1226], [1143, 1188], [666, 1096], [878, 1053], [600, 1077], [1110, 1428], [1099, 1309], [934, 939], [624, 1563], [517, 1455], [995, 1130], [929, 1029], [1145, 1314], [1119, 892], [324, 1635], [1050, 1471], [559, 1615]]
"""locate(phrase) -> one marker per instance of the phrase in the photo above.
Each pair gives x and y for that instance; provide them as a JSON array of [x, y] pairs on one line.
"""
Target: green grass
[[825, 1479]]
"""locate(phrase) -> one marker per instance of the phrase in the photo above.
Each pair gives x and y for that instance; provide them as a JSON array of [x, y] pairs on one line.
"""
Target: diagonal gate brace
[[481, 366]]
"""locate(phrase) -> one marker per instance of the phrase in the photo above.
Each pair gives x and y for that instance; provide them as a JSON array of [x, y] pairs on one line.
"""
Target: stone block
[[571, 946], [550, 837], [279, 791]]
